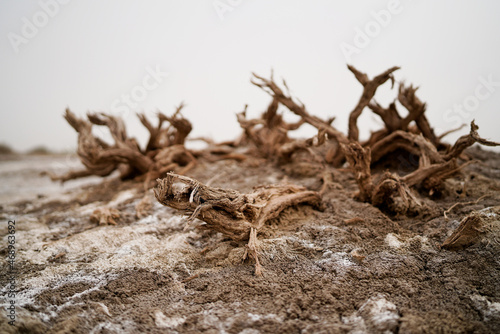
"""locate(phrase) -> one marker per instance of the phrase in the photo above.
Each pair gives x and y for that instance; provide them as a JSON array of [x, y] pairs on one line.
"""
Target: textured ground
[[349, 268]]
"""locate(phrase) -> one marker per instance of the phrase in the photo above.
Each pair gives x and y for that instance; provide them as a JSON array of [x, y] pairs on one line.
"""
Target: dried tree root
[[267, 138], [433, 168], [369, 89], [175, 134], [269, 135], [164, 152], [324, 127], [381, 192], [238, 216], [468, 140], [416, 109]]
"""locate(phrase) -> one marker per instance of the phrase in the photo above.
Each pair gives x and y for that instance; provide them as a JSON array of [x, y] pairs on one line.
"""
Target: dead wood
[[267, 138], [275, 91], [268, 133], [468, 140], [416, 109], [434, 168], [359, 159], [390, 116], [382, 192], [412, 143], [228, 211], [323, 126], [164, 151], [369, 89]]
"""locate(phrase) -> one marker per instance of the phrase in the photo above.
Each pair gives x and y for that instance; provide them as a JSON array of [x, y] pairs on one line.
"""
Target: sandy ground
[[347, 269]]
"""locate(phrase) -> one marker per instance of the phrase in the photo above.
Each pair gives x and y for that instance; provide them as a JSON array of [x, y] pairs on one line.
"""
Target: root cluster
[[164, 151], [240, 216]]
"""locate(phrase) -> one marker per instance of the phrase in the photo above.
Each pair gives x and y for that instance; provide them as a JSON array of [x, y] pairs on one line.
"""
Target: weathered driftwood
[[236, 215]]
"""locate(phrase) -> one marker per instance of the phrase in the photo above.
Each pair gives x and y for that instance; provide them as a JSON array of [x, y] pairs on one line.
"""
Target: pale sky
[[115, 55]]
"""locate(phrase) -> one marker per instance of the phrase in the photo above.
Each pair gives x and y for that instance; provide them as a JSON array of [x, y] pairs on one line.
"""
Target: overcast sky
[[124, 56]]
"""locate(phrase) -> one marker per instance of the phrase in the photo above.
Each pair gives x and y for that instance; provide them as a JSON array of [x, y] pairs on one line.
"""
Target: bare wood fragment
[[468, 233], [164, 151], [269, 133], [390, 116], [359, 159]]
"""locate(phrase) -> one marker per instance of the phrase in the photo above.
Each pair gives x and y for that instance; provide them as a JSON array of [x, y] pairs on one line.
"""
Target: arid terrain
[[347, 268], [266, 233]]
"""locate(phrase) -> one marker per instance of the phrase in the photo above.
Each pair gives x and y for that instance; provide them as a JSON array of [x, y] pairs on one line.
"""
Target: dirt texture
[[347, 267]]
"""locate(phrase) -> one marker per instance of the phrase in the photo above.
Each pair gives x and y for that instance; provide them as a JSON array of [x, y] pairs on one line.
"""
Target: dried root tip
[[252, 250]]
